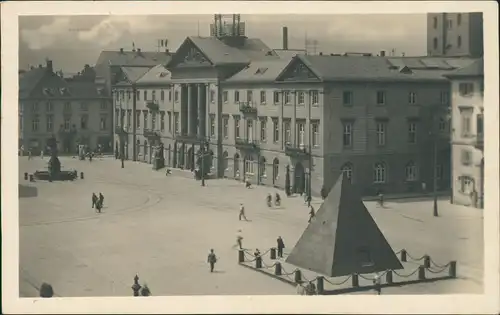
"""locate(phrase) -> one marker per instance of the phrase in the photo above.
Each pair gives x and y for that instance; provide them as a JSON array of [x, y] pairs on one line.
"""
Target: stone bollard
[[25, 176], [241, 256], [421, 273], [453, 269], [258, 262], [388, 277], [136, 287], [403, 255], [320, 285], [81, 175], [32, 178], [355, 280], [298, 276], [277, 269], [273, 253], [427, 261]]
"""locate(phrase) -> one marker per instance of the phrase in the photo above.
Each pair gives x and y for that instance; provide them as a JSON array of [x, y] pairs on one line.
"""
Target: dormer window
[[261, 71], [46, 92], [406, 70], [64, 91], [163, 74]]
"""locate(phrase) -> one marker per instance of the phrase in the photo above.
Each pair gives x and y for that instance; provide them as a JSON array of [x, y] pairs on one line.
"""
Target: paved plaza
[[162, 228]]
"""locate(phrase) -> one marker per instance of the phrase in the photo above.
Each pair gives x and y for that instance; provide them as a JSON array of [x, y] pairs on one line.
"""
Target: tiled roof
[[473, 70], [338, 68], [218, 52], [261, 71], [156, 75], [289, 53], [29, 80], [131, 58], [85, 90], [134, 73]]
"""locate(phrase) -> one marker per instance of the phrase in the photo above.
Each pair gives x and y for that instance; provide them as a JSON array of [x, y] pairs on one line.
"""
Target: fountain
[[54, 166]]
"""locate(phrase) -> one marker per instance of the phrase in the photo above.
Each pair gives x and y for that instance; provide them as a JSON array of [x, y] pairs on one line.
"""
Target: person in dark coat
[[212, 259], [280, 246], [311, 214], [94, 200], [101, 199], [98, 206], [145, 290]]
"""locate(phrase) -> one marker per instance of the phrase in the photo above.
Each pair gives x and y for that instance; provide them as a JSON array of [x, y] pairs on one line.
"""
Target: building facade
[[455, 34], [73, 111], [467, 135]]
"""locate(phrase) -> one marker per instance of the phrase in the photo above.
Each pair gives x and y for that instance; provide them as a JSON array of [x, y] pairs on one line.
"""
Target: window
[[153, 121], [224, 96], [439, 171], [145, 95], [138, 95], [466, 116], [83, 106], [128, 94], [315, 133], [288, 99], [122, 118], [263, 97], [347, 98], [50, 122], [249, 165], [466, 185], [466, 156], [301, 127], [83, 121], [412, 132], [225, 127], [347, 135], [236, 96], [442, 124], [276, 97], [249, 96], [315, 97], [480, 125], [435, 22], [35, 123], [435, 43], [411, 172], [250, 130], [347, 170], [49, 107], [67, 107], [169, 121], [263, 130], [379, 173], [103, 122], [412, 98], [103, 105], [145, 115], [169, 95], [122, 95], [129, 117], [276, 130], [176, 123], [276, 170], [176, 96], [381, 133], [34, 107], [117, 115], [301, 99], [459, 19], [212, 126], [212, 96], [287, 131], [459, 41], [380, 97], [237, 127], [466, 89], [445, 97], [21, 122], [262, 167], [137, 119], [450, 24], [67, 122], [162, 95]]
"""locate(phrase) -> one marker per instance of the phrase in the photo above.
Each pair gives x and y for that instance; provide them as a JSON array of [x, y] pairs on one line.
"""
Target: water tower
[[229, 29]]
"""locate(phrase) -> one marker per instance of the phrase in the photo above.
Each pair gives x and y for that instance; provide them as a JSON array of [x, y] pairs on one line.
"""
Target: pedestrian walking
[[239, 241], [381, 199], [242, 212], [377, 283], [101, 199], [98, 206], [94, 200], [311, 214], [269, 200], [41, 154], [277, 200], [29, 154], [311, 288], [280, 246], [256, 253], [212, 259], [300, 289]]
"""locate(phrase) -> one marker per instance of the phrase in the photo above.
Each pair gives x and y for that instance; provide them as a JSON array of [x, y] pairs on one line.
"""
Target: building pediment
[[297, 70], [189, 55]]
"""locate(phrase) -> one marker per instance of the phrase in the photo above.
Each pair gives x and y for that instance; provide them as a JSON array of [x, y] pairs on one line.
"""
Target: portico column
[[201, 116], [190, 109]]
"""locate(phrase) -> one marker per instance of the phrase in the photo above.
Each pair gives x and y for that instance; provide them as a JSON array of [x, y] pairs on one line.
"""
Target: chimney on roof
[[285, 38], [382, 53], [121, 50], [49, 65]]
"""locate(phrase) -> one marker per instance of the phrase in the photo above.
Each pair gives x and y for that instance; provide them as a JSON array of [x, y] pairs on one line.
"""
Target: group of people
[[277, 200], [97, 202]]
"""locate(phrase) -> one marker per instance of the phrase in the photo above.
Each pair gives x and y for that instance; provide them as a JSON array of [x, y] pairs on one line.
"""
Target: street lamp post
[[434, 186]]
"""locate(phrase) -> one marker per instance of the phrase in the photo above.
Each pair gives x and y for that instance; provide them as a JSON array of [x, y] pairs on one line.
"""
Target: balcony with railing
[[247, 144], [248, 108], [152, 105], [295, 150]]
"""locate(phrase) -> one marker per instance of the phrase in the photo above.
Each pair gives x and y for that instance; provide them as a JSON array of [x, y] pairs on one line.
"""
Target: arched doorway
[[145, 150], [225, 163], [190, 159], [276, 170], [169, 157], [262, 169], [138, 150], [236, 166], [174, 155], [299, 179], [181, 156]]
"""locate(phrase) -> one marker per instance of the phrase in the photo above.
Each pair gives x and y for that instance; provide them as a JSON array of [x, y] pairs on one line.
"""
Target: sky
[[73, 41]]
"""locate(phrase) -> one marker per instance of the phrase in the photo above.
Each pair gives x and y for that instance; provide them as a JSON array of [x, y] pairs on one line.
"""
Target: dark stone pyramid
[[343, 238]]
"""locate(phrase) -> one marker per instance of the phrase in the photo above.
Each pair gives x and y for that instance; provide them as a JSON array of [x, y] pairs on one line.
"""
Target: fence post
[[388, 277], [298, 276], [453, 269], [427, 261], [25, 176], [403, 255], [277, 270], [273, 253], [258, 262], [320, 285], [421, 273], [355, 280], [241, 256]]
